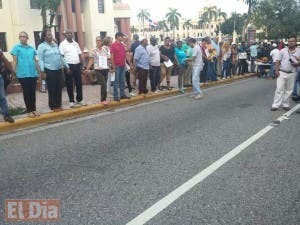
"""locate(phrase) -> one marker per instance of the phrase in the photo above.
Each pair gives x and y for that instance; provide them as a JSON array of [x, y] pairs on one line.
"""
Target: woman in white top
[[226, 53], [99, 57]]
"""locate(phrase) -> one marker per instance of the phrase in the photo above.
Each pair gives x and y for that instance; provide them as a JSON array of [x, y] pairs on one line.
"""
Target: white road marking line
[[104, 113], [151, 212]]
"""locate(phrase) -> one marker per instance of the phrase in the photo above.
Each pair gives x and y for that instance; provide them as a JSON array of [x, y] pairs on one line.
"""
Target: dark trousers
[[203, 72], [28, 86], [101, 76], [75, 76], [243, 66], [143, 77], [154, 77], [54, 83], [127, 77]]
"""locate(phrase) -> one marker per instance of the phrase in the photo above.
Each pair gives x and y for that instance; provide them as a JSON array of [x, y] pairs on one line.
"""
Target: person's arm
[[112, 55], [90, 63], [7, 64], [14, 64]]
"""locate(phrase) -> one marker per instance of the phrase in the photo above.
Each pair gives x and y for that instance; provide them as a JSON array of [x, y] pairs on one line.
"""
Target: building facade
[[87, 18], [195, 29]]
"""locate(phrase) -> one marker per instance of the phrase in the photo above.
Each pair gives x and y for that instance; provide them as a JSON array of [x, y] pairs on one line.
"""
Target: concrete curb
[[52, 117]]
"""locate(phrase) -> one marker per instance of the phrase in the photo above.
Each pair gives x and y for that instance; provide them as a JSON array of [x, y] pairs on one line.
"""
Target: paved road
[[108, 169]]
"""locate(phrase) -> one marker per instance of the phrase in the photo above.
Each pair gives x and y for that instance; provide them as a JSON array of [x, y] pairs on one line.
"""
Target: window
[[34, 4], [103, 34], [73, 6], [0, 4], [3, 44], [101, 6]]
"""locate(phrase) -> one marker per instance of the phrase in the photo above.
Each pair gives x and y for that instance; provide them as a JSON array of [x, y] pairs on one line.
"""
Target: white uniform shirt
[[154, 55], [70, 51], [284, 57], [197, 53], [274, 54]]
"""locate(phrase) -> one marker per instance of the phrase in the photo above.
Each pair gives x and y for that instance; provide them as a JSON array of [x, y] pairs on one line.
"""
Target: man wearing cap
[[142, 65], [118, 58], [274, 54], [89, 73], [286, 66]]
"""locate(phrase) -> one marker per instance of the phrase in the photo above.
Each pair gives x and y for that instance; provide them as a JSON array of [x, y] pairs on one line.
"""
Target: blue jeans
[[119, 82], [196, 79], [272, 69], [3, 102], [297, 82], [211, 72], [226, 68]]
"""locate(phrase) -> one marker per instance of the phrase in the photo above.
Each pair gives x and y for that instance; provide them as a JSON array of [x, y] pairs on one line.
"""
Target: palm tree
[[210, 14], [133, 30], [220, 15], [187, 24], [251, 4], [142, 16], [173, 19], [162, 26], [52, 6]]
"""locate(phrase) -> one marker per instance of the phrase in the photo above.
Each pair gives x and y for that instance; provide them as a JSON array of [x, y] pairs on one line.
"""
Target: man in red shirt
[[118, 58]]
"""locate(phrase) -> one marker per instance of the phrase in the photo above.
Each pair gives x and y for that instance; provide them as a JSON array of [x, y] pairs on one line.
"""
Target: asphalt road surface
[[109, 169]]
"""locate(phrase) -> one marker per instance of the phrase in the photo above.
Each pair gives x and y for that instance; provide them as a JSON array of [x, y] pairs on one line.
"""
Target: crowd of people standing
[[114, 62]]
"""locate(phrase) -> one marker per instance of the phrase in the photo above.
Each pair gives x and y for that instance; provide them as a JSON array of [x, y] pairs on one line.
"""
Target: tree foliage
[[142, 16], [277, 18], [227, 26], [173, 19], [45, 6]]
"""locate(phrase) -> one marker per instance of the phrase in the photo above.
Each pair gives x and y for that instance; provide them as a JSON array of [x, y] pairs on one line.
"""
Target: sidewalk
[[91, 95]]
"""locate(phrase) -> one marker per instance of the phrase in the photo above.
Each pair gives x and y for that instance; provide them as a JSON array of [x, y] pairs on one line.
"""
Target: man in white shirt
[[286, 69], [153, 51], [197, 68], [274, 54], [72, 54]]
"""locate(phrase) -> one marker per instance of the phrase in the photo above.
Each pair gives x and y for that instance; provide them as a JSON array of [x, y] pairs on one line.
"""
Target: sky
[[188, 8]]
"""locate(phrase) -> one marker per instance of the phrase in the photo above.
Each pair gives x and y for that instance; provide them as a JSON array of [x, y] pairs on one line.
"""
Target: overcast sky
[[187, 8]]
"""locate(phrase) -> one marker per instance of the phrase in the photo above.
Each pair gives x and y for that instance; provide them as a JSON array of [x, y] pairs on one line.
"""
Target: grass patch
[[16, 111]]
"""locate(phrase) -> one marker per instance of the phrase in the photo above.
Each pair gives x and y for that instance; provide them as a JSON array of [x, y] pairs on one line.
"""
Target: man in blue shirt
[[26, 67], [142, 65], [253, 56]]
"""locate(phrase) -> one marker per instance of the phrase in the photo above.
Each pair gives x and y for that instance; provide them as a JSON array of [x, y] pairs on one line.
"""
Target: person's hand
[[277, 74], [294, 64], [68, 71], [165, 58], [43, 75]]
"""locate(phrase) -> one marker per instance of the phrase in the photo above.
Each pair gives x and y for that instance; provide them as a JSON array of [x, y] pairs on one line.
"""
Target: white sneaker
[[198, 96], [72, 104], [223, 78], [81, 103], [132, 94]]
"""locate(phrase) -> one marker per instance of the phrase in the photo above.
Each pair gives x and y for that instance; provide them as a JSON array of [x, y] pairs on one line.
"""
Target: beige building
[[87, 18], [196, 29]]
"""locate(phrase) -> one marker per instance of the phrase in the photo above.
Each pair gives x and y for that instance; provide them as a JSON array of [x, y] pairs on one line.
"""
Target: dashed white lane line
[[162, 204]]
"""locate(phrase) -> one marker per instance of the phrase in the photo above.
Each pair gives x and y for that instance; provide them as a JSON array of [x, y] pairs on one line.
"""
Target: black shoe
[[125, 97], [9, 119], [286, 108], [274, 109], [116, 99]]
